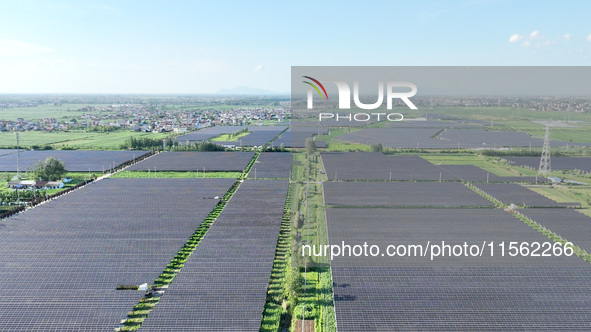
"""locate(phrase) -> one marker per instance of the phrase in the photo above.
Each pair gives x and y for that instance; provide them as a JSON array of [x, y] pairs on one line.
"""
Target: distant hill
[[245, 90]]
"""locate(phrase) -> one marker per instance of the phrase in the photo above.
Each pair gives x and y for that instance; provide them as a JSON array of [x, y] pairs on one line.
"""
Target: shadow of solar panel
[[195, 161], [223, 285]]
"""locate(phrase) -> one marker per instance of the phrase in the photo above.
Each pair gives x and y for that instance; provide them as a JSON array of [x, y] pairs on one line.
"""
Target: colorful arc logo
[[315, 87]]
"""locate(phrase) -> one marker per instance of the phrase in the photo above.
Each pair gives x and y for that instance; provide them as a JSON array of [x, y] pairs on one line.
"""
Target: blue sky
[[204, 46]]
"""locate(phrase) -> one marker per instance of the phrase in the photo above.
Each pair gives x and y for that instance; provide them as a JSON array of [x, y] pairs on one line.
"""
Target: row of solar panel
[[207, 296], [75, 161], [81, 246]]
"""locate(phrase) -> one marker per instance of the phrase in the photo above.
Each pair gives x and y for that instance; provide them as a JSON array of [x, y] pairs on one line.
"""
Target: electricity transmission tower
[[545, 166]]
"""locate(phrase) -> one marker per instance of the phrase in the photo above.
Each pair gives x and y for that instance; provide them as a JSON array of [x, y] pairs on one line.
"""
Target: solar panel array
[[276, 129], [377, 166], [473, 173], [391, 294], [313, 126], [383, 227], [255, 138], [75, 160], [397, 137], [7, 151], [207, 133], [568, 223], [272, 165], [436, 138], [530, 179], [296, 137], [285, 139], [511, 193], [427, 124], [62, 260], [223, 285], [342, 121], [470, 173], [388, 194], [481, 138], [193, 161], [558, 163]]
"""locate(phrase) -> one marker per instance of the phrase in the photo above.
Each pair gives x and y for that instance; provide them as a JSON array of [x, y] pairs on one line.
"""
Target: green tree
[[377, 147], [50, 170], [310, 146]]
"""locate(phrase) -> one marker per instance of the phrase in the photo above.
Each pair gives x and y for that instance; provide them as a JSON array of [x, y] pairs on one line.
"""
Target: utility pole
[[545, 166], [18, 169]]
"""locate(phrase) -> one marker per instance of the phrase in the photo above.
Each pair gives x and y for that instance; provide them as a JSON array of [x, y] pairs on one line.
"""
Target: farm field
[[46, 111], [74, 139]]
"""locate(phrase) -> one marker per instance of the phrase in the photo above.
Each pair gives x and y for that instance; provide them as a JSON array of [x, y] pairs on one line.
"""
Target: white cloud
[[515, 38], [589, 38], [537, 40], [16, 47], [259, 68]]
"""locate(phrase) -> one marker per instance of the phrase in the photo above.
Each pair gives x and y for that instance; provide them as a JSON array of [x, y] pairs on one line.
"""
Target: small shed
[[13, 184], [28, 183], [54, 185]]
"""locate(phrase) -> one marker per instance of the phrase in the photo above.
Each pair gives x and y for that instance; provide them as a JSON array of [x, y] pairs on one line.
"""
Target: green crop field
[[61, 112], [76, 139]]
